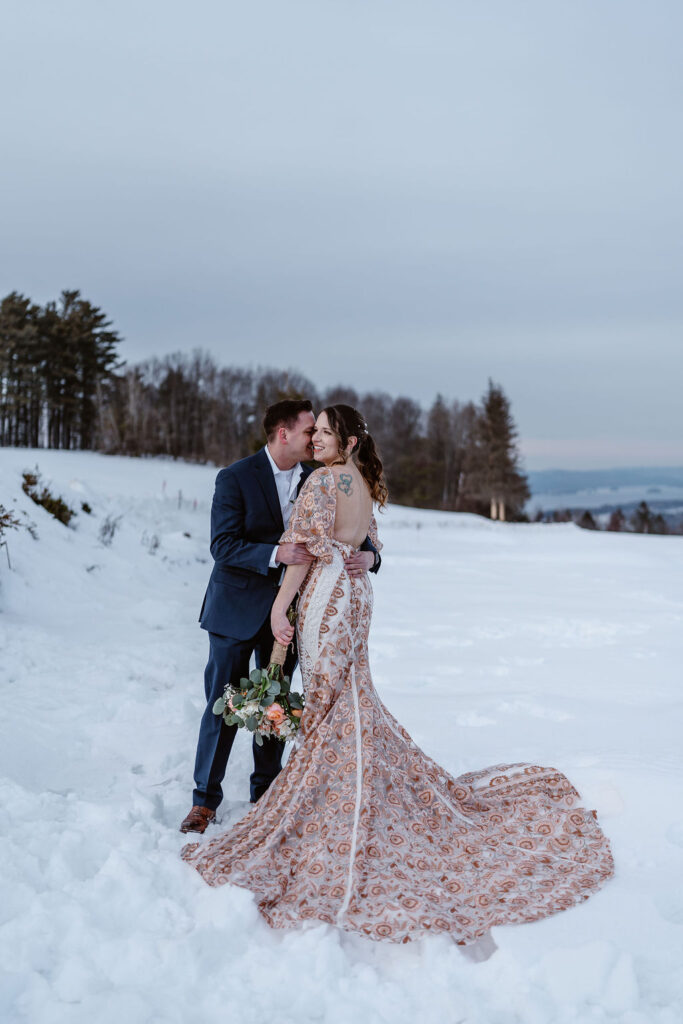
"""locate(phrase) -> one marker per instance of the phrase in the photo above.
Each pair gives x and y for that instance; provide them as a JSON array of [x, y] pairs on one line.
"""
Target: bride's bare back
[[354, 505]]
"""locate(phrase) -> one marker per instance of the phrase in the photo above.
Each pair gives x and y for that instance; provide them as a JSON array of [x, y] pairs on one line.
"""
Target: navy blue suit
[[246, 524]]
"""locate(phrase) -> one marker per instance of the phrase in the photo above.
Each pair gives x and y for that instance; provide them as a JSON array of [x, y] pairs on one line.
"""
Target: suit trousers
[[228, 663]]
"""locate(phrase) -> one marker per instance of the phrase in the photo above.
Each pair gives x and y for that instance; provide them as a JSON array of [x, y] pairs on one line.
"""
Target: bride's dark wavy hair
[[346, 422]]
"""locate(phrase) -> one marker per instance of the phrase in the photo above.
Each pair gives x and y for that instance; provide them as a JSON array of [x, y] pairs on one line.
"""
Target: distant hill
[[567, 481], [604, 490]]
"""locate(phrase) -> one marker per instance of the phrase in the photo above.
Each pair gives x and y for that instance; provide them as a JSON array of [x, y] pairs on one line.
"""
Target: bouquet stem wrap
[[278, 655]]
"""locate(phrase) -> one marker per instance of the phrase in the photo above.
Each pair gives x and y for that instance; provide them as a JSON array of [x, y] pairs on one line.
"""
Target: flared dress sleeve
[[312, 520], [372, 535]]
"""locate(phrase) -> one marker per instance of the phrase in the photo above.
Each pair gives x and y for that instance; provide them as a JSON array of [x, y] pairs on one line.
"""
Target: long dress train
[[361, 829]]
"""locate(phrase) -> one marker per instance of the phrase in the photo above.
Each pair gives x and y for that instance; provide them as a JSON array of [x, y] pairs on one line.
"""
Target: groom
[[251, 508]]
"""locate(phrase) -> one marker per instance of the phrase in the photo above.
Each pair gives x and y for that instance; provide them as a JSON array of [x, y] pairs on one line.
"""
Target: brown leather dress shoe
[[197, 820]]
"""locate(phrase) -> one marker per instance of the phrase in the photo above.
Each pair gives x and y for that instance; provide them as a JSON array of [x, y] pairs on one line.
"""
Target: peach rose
[[296, 712], [275, 714]]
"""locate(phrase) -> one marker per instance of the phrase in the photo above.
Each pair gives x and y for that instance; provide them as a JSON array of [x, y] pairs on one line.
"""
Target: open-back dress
[[361, 829]]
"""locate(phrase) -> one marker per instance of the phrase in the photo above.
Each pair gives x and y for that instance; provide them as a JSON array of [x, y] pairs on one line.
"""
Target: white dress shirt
[[286, 482]]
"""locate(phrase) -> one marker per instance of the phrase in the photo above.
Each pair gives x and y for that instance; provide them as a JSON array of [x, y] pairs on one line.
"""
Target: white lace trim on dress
[[359, 792]]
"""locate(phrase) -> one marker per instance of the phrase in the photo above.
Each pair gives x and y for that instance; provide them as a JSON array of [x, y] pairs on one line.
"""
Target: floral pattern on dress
[[362, 829], [312, 519]]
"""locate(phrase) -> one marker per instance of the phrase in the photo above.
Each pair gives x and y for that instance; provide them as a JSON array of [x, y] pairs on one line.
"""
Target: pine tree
[[587, 522], [96, 346], [617, 521], [659, 524], [498, 479], [641, 520], [78, 350], [21, 372]]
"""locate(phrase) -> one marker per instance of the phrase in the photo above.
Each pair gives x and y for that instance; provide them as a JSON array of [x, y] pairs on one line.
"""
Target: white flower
[[286, 730], [252, 707]]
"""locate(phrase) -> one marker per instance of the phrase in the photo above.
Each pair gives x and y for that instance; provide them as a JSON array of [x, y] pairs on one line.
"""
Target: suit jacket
[[246, 524]]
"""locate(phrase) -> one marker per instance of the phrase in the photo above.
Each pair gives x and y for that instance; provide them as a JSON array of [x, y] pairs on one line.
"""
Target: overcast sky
[[406, 196]]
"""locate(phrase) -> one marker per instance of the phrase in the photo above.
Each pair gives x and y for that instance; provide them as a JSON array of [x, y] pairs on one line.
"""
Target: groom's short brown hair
[[284, 414]]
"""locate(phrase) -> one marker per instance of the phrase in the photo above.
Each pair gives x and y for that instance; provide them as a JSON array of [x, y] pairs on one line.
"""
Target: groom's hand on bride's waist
[[359, 562], [293, 554]]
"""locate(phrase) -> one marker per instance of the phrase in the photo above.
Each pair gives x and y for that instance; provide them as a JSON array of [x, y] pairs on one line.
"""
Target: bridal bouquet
[[264, 703]]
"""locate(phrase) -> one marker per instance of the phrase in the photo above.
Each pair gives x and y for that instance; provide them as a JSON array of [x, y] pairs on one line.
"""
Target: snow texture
[[490, 642]]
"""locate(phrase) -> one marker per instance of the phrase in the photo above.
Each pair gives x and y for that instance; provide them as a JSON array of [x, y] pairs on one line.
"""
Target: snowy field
[[491, 642]]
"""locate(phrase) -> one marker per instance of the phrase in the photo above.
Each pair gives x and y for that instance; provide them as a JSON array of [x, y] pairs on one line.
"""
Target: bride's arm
[[311, 524], [279, 623]]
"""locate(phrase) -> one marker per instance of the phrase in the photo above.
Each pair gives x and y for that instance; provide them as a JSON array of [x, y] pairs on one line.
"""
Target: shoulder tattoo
[[345, 483]]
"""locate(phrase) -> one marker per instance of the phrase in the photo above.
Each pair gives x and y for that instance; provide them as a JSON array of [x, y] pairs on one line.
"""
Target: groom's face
[[300, 437]]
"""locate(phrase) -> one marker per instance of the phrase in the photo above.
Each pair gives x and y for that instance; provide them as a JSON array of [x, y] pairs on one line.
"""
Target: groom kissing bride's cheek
[[360, 829], [252, 506]]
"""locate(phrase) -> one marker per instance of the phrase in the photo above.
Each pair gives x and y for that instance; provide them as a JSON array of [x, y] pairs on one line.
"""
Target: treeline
[[642, 520], [63, 386]]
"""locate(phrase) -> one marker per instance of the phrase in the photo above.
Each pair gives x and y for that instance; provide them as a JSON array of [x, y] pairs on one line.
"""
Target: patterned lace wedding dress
[[364, 831]]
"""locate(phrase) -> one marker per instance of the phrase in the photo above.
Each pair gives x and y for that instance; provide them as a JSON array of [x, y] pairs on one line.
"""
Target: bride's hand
[[283, 631]]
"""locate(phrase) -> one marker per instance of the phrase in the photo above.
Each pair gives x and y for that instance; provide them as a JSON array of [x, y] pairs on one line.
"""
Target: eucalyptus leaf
[[267, 700], [258, 738], [252, 693], [274, 689], [219, 706], [251, 723], [255, 676]]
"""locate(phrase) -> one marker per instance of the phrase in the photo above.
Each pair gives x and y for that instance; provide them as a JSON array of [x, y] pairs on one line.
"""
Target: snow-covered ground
[[491, 642]]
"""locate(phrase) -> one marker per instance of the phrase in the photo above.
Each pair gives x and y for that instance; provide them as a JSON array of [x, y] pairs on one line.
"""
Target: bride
[[361, 829]]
